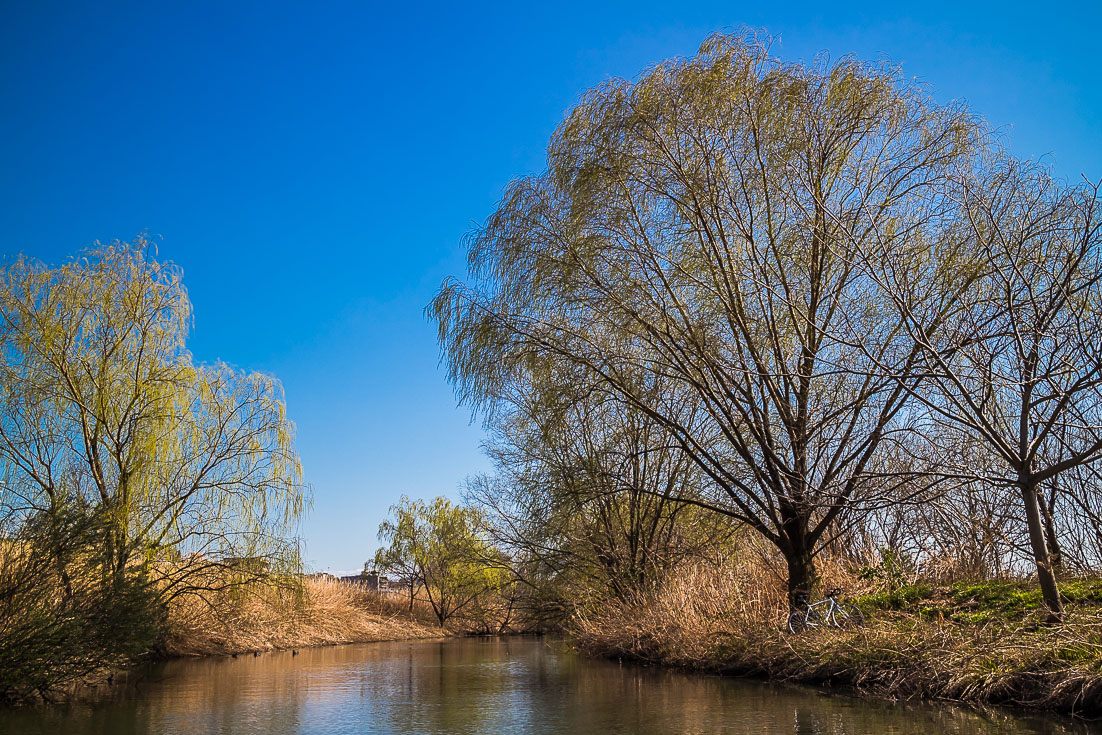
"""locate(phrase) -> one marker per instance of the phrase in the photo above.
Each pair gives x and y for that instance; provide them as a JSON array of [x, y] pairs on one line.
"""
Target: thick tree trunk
[[801, 570], [1045, 574], [797, 550]]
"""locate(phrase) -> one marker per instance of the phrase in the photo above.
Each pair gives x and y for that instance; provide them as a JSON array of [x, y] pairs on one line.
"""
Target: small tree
[[401, 557], [1019, 368], [436, 546]]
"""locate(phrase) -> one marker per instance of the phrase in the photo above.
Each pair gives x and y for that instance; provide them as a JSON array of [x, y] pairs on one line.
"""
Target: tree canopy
[[828, 291], [704, 226], [103, 408]]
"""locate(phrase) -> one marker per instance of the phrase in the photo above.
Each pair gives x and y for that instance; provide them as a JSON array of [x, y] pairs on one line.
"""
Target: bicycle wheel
[[848, 615], [801, 620]]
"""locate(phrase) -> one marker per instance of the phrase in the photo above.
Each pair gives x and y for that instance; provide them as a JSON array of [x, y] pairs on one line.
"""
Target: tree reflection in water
[[487, 685]]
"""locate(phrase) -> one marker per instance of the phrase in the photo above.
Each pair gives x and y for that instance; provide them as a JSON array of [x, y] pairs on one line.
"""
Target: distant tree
[[402, 554], [595, 490], [437, 547]]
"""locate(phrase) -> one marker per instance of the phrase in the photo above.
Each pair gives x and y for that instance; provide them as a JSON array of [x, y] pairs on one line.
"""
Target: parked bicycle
[[829, 611]]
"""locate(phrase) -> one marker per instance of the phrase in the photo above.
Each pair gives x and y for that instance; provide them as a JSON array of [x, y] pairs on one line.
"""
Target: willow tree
[[438, 548], [589, 489], [702, 224], [102, 408]]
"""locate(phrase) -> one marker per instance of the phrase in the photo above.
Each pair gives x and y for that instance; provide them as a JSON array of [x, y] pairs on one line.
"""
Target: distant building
[[372, 580], [376, 581]]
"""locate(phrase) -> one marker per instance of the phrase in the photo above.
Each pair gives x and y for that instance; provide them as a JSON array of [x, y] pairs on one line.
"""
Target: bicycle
[[838, 614]]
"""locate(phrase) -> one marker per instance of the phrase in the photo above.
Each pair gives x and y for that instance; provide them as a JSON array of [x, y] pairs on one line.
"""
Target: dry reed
[[314, 612], [727, 619]]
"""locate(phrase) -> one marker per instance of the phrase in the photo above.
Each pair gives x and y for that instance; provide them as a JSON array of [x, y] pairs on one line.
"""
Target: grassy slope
[[322, 612]]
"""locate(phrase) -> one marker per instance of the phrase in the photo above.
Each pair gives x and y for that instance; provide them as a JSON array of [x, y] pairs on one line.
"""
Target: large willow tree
[[709, 225], [104, 413]]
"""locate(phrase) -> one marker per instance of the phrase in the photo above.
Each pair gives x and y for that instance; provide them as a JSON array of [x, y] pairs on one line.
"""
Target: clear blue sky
[[313, 167]]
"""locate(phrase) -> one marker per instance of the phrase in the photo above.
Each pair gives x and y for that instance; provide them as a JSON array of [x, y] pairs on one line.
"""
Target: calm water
[[509, 685]]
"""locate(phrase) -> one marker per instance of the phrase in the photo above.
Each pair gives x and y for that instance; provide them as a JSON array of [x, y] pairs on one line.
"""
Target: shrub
[[61, 618]]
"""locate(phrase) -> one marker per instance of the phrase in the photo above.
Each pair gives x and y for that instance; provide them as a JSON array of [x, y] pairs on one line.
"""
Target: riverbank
[[981, 643], [318, 612], [482, 685], [222, 620]]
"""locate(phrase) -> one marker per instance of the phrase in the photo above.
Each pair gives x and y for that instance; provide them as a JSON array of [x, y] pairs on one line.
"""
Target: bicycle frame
[[826, 617], [837, 614]]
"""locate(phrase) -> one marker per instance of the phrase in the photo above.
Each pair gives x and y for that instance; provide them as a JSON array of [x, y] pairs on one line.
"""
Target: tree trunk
[[1045, 575], [58, 548], [1052, 543], [801, 573], [796, 548]]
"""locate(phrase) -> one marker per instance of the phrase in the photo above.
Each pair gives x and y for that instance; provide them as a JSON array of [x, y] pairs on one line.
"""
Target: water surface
[[492, 685]]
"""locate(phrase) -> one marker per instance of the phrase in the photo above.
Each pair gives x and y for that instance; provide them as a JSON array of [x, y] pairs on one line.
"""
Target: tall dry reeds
[[309, 611], [680, 619], [730, 619]]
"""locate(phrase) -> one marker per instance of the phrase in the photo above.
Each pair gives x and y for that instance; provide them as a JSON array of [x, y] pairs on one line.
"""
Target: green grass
[[901, 598], [1014, 600], [1082, 591], [979, 603]]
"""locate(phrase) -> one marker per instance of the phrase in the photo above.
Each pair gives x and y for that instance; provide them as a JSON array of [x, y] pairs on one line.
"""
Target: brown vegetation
[[977, 642], [317, 612]]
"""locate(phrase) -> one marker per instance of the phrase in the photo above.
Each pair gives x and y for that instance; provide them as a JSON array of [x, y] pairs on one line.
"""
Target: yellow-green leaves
[[437, 548], [102, 404]]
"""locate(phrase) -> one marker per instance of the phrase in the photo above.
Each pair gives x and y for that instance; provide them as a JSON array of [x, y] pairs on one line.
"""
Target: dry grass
[[731, 621], [314, 613]]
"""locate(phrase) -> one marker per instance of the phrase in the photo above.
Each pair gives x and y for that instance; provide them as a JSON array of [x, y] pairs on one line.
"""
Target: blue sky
[[314, 166]]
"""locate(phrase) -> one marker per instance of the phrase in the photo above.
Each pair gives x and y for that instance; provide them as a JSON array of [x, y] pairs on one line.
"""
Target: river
[[483, 685]]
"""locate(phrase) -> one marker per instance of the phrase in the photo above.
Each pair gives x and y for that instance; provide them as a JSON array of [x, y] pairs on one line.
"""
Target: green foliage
[[131, 474], [890, 573], [899, 598], [102, 404], [436, 547]]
